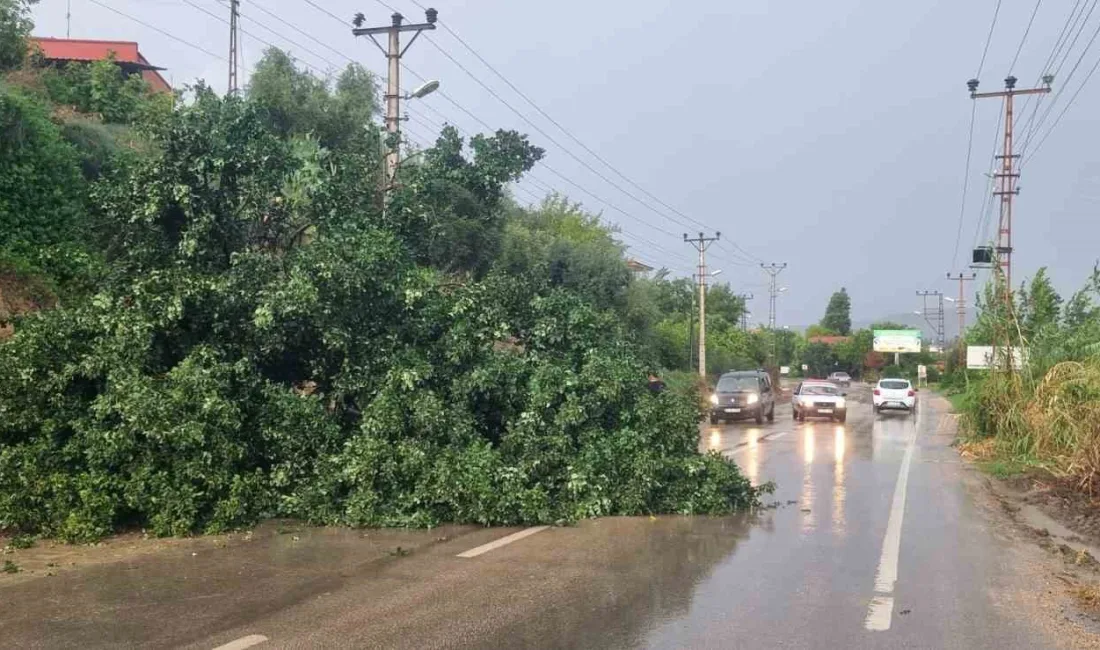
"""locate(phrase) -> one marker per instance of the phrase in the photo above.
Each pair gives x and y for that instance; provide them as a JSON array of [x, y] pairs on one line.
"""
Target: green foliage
[[102, 88], [293, 102], [838, 313], [820, 359], [565, 246], [1047, 413], [268, 343], [820, 330], [42, 192], [15, 27]]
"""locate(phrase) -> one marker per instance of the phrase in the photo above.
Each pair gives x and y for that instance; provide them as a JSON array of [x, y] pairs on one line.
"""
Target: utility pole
[[68, 18], [234, 36], [939, 324], [393, 53], [960, 308], [1008, 176], [745, 298], [701, 244], [773, 270]]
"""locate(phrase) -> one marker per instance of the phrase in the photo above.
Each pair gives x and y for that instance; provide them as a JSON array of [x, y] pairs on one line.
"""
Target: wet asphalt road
[[813, 572]]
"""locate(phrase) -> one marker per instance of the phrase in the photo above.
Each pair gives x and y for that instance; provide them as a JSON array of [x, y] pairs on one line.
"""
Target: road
[[878, 541]]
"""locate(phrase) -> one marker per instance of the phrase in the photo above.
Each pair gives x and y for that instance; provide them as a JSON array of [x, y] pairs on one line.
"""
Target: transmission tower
[[234, 37]]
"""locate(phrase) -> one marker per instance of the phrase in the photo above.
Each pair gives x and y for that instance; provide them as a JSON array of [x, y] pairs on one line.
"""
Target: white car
[[896, 394]]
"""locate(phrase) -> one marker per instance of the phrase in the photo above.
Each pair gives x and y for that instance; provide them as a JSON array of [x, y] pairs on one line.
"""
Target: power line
[[557, 124], [984, 215], [1061, 89], [988, 38], [159, 30], [1032, 126], [253, 36], [1067, 27], [546, 135], [1062, 114], [966, 180], [1026, 32], [489, 128]]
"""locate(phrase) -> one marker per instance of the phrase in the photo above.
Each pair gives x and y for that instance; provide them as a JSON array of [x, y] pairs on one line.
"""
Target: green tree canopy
[[294, 102], [15, 27], [838, 313]]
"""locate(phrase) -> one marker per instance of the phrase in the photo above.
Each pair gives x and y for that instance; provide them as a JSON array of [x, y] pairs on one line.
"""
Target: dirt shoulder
[[1065, 524]]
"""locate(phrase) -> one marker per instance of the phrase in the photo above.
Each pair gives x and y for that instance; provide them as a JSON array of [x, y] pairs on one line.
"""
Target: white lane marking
[[881, 609], [880, 613], [514, 537], [243, 642]]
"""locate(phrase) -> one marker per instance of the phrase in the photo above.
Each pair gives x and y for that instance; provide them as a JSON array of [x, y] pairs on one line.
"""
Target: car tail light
[[878, 392], [912, 392]]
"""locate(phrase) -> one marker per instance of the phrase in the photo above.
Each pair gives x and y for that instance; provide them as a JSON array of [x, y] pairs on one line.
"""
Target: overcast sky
[[828, 135]]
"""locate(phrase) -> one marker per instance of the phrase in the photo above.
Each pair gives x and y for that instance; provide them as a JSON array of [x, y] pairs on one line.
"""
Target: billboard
[[980, 357], [896, 341]]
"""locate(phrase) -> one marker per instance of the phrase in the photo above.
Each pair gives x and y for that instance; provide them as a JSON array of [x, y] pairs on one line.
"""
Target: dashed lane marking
[[243, 642], [503, 541]]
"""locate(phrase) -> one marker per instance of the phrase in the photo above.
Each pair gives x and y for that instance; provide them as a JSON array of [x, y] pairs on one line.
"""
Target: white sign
[[981, 357], [805, 367], [922, 372], [896, 341], [784, 370]]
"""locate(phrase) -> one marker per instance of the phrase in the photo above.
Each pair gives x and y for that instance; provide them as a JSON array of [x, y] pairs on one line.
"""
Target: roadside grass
[[1088, 596], [993, 457], [958, 401]]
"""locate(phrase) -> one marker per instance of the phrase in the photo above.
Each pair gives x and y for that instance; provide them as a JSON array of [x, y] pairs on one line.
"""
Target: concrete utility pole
[[745, 298], [960, 308], [393, 53], [701, 244], [1008, 176], [939, 324], [234, 38], [773, 270]]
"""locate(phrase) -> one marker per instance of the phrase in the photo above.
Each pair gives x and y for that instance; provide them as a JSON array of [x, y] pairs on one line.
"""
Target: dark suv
[[743, 394]]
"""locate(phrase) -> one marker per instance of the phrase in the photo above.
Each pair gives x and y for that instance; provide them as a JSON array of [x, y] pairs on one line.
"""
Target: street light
[[949, 299], [781, 289], [716, 273], [423, 90]]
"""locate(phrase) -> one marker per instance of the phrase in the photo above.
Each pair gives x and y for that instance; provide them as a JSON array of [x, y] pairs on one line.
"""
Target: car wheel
[[771, 414], [842, 418], [760, 416], [714, 419]]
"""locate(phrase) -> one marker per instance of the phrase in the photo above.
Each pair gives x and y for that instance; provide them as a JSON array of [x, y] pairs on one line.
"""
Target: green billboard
[[896, 341]]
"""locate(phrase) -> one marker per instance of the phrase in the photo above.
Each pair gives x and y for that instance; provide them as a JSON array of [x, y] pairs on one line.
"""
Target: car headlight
[[753, 398], [840, 403], [714, 399]]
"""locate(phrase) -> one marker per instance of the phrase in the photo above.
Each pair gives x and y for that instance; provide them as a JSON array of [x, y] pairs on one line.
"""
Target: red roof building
[[829, 340], [127, 56]]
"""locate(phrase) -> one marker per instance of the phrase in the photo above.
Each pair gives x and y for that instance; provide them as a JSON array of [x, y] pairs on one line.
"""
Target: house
[[829, 340], [638, 268], [61, 51]]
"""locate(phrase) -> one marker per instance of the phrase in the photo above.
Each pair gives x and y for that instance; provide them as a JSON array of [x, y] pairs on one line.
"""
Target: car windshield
[[730, 383], [894, 384], [819, 389]]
